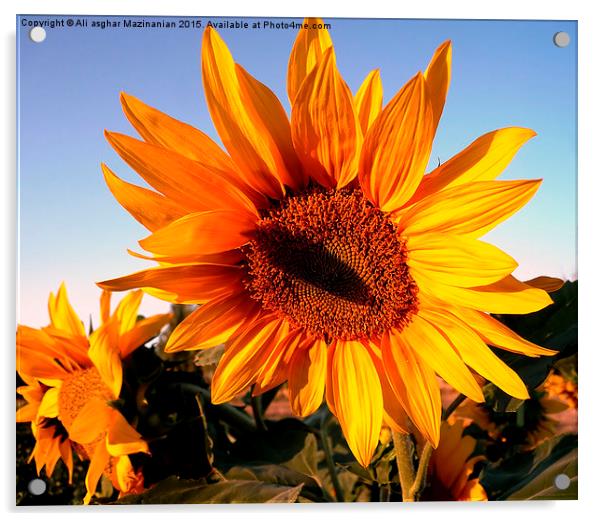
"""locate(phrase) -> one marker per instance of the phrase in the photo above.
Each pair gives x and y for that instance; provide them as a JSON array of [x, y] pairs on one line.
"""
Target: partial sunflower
[[320, 252], [557, 386], [72, 381]]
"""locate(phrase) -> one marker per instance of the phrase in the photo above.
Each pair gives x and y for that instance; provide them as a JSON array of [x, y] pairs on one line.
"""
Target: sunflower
[[452, 464], [320, 252], [557, 386], [72, 381]]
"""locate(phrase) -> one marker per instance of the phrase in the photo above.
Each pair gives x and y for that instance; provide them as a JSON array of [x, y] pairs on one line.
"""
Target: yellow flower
[[558, 386], [72, 380], [451, 465], [319, 250]]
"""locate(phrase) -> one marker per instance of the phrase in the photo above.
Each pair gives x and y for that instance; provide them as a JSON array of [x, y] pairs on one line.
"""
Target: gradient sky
[[505, 73]]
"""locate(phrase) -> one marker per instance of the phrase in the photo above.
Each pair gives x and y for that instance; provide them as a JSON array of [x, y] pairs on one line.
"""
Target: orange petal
[[438, 76], [245, 355], [326, 131], [91, 421], [307, 51], [62, 314], [476, 354], [39, 356], [105, 306], [548, 284], [497, 334], [307, 378], [104, 353], [358, 398], [470, 209], [67, 456], [434, 349], [483, 160], [194, 284], [266, 113], [457, 260], [122, 438], [276, 368], [414, 384], [397, 147], [160, 129], [212, 324], [505, 296], [369, 100], [187, 183], [239, 125], [149, 208], [202, 233], [143, 331], [97, 466]]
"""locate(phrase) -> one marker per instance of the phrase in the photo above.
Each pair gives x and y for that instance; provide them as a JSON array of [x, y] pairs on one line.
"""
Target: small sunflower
[[320, 252], [452, 464], [72, 381]]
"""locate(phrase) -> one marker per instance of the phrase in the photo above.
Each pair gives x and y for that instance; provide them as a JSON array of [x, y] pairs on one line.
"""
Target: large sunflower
[[319, 250], [72, 381]]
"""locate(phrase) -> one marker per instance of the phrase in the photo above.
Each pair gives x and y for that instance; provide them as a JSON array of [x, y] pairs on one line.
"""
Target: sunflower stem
[[420, 480], [404, 453], [330, 462]]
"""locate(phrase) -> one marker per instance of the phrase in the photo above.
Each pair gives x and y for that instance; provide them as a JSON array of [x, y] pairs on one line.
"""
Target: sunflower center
[[332, 263], [77, 390]]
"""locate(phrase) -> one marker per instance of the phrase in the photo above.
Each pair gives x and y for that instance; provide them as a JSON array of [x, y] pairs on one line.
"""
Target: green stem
[[404, 452], [420, 481], [453, 406], [330, 463]]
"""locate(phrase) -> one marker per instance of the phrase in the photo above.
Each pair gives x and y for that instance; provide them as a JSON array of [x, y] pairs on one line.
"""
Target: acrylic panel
[[296, 260]]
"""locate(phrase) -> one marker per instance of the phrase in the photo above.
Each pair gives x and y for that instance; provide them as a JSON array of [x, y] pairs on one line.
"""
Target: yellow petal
[[122, 438], [414, 384], [358, 397], [245, 354], [369, 100], [238, 121], [438, 76], [189, 184], [97, 466], [195, 284], [505, 296], [104, 353], [397, 147], [91, 421], [149, 208], [62, 315], [483, 160], [476, 354], [307, 51], [142, 332], [497, 334], [457, 260], [212, 324], [49, 406], [433, 348], [326, 131], [307, 378], [470, 209], [548, 284], [126, 312], [202, 233]]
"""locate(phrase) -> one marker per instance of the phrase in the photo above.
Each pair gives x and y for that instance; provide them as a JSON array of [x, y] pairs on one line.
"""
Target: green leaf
[[178, 491], [527, 475]]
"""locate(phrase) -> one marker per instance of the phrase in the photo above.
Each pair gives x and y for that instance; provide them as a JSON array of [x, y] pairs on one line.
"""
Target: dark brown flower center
[[332, 263]]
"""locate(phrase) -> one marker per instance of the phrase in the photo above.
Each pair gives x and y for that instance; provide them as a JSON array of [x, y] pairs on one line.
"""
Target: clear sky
[[505, 73]]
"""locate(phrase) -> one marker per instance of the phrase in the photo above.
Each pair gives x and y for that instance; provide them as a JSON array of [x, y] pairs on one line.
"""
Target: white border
[[589, 190]]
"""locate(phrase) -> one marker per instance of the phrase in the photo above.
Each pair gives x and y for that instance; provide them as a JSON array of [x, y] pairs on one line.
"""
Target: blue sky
[[504, 73]]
